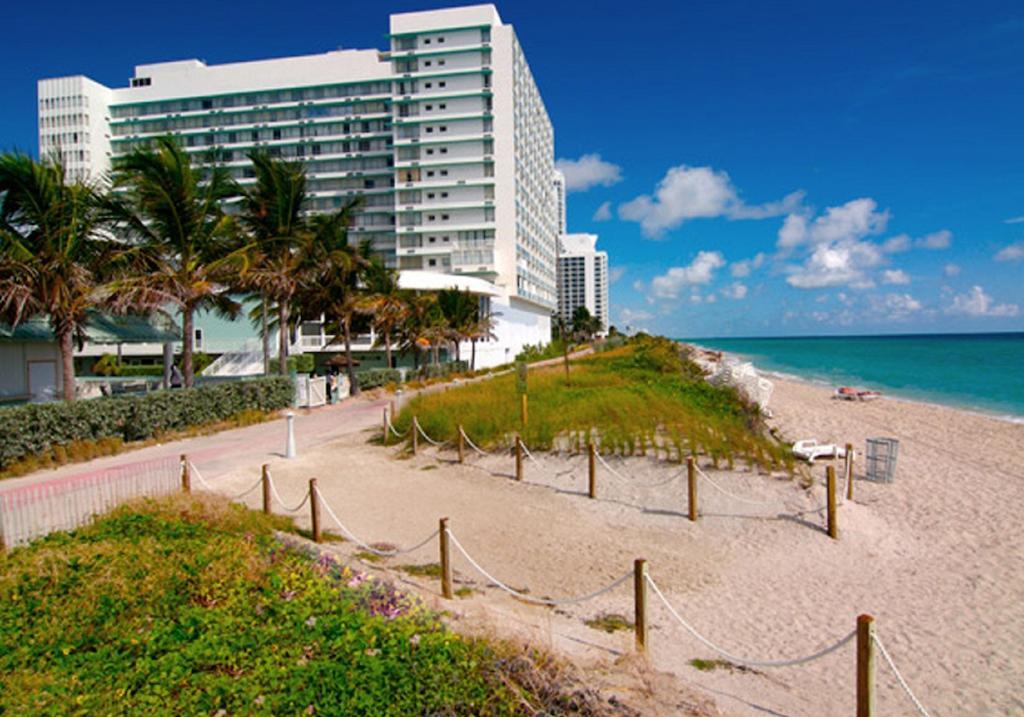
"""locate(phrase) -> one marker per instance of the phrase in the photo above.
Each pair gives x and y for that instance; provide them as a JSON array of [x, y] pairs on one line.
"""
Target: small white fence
[[310, 392], [36, 510]]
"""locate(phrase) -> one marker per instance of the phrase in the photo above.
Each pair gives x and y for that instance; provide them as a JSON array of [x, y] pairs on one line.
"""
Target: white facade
[[582, 278], [558, 184], [444, 135]]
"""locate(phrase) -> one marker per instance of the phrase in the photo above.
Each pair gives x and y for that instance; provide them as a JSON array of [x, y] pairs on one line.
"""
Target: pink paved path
[[220, 453]]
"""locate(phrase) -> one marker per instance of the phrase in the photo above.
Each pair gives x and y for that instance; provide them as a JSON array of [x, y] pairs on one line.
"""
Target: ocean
[[983, 372]]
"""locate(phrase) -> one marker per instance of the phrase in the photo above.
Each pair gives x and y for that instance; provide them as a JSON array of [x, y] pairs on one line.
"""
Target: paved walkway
[[220, 453]]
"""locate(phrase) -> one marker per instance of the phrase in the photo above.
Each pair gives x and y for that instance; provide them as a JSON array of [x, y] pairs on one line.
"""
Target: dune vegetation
[[628, 400], [190, 605]]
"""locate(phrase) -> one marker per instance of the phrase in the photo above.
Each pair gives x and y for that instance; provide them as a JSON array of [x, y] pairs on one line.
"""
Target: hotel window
[[427, 63], [442, 83], [442, 128], [428, 85], [444, 217], [429, 108], [198, 338], [426, 41], [440, 39], [432, 262], [442, 106], [443, 150], [440, 62]]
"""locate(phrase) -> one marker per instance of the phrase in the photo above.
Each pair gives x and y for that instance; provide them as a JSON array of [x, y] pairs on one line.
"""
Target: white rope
[[634, 481], [741, 660], [899, 677], [427, 438], [472, 445], [529, 455], [277, 496], [206, 484], [725, 492], [610, 469], [528, 598], [393, 429], [366, 546]]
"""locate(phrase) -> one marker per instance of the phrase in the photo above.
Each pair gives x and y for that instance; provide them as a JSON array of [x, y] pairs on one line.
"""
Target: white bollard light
[[289, 450], [398, 401]]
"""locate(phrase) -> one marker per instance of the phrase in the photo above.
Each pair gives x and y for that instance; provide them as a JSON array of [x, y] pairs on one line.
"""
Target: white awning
[[416, 280]]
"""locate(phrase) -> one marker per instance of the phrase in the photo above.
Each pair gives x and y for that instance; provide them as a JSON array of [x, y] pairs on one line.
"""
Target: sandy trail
[[935, 556]]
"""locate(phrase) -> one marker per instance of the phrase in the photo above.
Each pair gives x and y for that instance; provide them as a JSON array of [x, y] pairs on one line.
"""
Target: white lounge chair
[[810, 449]]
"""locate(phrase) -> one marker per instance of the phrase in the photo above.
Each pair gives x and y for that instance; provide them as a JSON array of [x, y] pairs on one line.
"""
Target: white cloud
[[1013, 252], [854, 220], [697, 193], [736, 291], [603, 213], [896, 244], [951, 269], [616, 273], [895, 276], [902, 242], [1015, 220], [629, 316], [700, 271], [977, 303], [742, 269], [838, 252], [588, 171], [936, 240], [896, 307], [841, 263]]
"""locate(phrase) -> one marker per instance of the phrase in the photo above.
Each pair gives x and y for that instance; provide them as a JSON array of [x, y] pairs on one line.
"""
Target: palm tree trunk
[[265, 328], [187, 335], [282, 338], [472, 354], [353, 384], [387, 347], [66, 344]]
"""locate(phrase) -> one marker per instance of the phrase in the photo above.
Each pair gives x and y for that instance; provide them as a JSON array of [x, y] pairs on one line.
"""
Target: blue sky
[[752, 168]]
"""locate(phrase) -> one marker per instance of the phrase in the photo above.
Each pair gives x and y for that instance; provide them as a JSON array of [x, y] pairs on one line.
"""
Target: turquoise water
[[978, 371]]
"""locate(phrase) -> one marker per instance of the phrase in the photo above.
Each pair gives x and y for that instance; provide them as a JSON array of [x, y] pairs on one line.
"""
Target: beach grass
[[628, 399], [190, 605]]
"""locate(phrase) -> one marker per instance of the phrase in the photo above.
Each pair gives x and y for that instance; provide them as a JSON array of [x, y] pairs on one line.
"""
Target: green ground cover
[[627, 397], [189, 605]]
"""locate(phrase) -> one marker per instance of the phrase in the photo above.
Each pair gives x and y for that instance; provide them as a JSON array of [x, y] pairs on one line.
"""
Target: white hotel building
[[445, 136], [582, 278]]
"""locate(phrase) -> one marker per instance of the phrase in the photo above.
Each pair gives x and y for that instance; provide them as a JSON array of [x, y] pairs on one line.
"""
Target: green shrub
[[190, 606], [35, 429], [150, 370], [300, 363], [376, 377], [107, 365]]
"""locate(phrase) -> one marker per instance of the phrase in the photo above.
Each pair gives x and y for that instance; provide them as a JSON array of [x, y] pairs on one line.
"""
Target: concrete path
[[224, 452]]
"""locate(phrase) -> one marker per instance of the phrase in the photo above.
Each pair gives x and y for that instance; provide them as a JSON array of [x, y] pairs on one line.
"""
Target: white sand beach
[[936, 557]]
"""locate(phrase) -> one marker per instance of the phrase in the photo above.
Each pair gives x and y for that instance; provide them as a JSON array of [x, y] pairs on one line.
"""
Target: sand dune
[[935, 556]]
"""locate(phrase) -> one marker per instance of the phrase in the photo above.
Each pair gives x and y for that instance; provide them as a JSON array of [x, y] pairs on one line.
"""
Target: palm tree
[[481, 330], [53, 253], [332, 274], [460, 310], [423, 322], [384, 302], [273, 216], [584, 326], [173, 211]]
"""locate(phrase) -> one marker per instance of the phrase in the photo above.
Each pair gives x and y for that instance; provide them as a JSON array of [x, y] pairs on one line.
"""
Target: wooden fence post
[[849, 471], [266, 489], [865, 666], [592, 468], [446, 562], [640, 603], [524, 410], [186, 475], [519, 457], [691, 487], [830, 488], [415, 431], [314, 509], [462, 445]]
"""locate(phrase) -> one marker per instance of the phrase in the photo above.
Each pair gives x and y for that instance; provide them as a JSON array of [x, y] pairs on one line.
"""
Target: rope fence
[[162, 477]]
